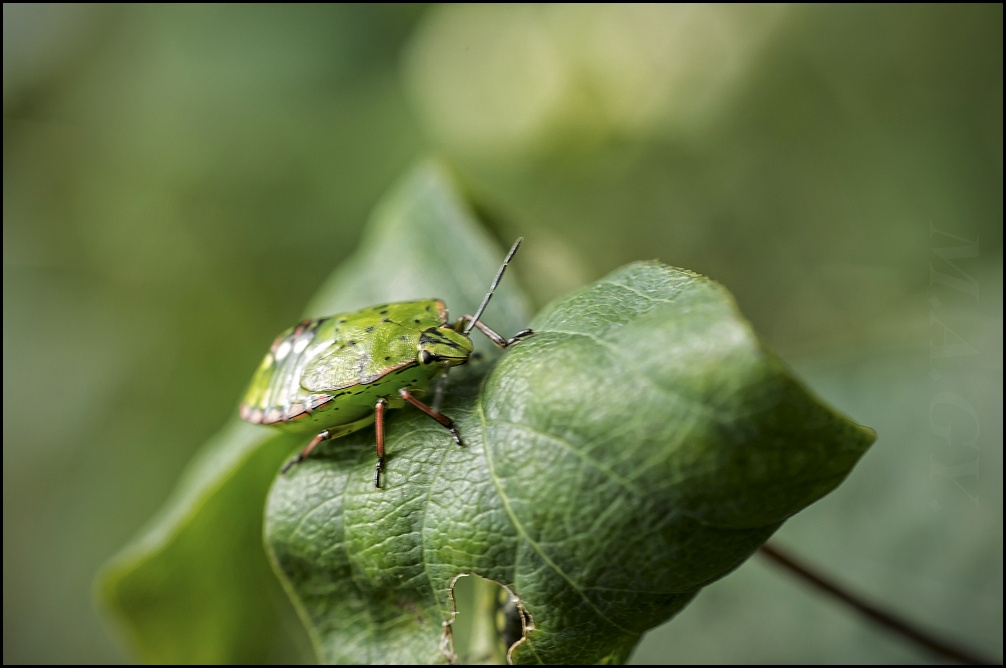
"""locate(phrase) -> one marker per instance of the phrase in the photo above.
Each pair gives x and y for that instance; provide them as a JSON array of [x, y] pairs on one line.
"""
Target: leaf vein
[[690, 402], [520, 527], [629, 288], [422, 531]]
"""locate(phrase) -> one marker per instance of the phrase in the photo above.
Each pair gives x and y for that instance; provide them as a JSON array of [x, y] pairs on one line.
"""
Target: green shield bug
[[332, 376]]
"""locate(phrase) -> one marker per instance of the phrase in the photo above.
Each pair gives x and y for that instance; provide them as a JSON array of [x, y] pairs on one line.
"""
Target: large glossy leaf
[[196, 586], [641, 445]]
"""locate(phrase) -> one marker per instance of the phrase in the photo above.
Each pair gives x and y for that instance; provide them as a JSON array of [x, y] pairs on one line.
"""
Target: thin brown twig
[[905, 629]]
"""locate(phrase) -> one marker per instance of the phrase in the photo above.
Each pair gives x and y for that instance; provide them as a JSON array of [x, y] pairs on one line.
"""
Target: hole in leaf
[[488, 620]]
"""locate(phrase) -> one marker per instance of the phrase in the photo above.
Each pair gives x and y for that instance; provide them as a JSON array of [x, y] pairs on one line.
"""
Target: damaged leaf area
[[639, 446]]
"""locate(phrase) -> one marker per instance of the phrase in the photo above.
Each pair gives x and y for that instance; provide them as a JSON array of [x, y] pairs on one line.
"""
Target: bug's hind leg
[[433, 413], [303, 454]]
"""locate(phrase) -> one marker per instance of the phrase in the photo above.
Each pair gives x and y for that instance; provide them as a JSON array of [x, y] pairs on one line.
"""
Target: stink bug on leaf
[[332, 376]]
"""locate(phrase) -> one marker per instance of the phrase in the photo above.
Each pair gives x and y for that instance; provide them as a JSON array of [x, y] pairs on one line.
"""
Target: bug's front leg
[[500, 342], [303, 454], [382, 406], [433, 413]]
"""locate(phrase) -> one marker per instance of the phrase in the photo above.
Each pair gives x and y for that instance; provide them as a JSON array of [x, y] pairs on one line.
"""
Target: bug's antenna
[[496, 281]]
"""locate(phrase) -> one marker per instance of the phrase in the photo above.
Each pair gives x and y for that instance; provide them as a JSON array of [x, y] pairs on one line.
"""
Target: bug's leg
[[382, 405], [435, 414], [500, 342], [303, 454]]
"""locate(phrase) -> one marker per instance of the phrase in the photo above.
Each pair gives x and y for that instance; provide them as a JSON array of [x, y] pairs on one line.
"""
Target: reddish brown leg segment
[[382, 405], [433, 413], [303, 454]]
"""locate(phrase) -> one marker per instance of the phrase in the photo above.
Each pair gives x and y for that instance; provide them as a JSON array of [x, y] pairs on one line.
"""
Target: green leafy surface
[[196, 587], [641, 445]]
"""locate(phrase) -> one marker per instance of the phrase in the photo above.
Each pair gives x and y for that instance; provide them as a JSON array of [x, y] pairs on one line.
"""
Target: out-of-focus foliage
[[179, 180]]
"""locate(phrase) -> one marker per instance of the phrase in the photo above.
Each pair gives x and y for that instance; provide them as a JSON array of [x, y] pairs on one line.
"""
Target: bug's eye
[[425, 357]]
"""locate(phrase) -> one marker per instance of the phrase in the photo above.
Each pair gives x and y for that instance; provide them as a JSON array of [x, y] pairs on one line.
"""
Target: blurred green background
[[179, 180]]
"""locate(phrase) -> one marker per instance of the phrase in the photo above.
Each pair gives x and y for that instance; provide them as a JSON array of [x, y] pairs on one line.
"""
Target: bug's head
[[444, 344]]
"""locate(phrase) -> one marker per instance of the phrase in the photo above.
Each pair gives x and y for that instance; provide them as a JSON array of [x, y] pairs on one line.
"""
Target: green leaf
[[638, 447], [641, 445], [196, 586]]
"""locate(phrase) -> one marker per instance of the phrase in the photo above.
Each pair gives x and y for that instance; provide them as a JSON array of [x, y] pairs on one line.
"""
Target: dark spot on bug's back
[[403, 338], [369, 329], [427, 308], [386, 359], [383, 313], [352, 342], [416, 321], [385, 320]]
